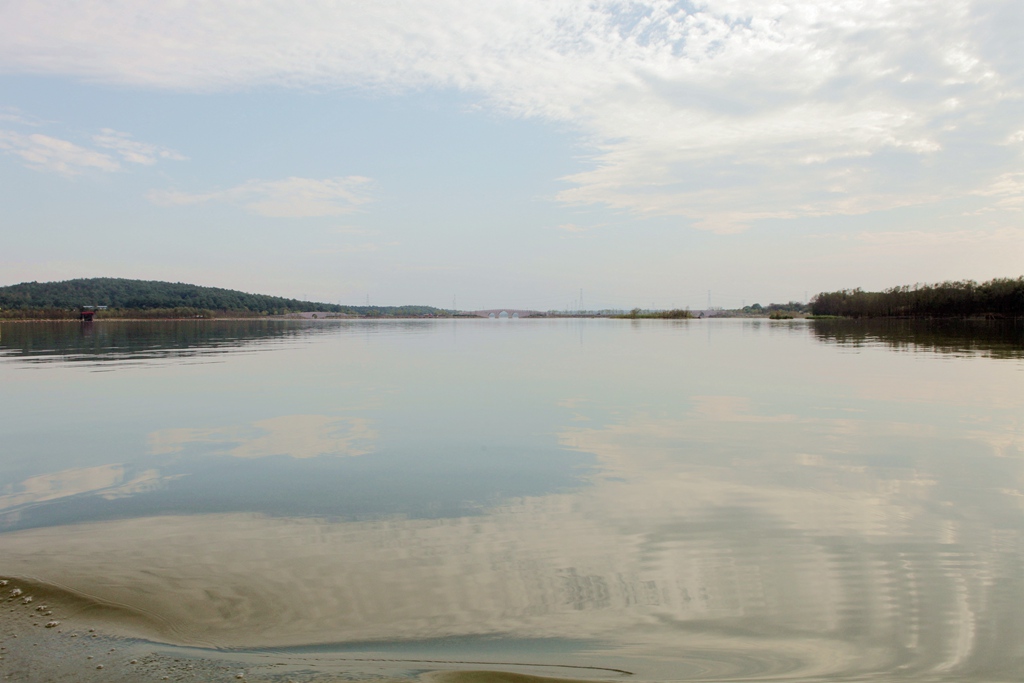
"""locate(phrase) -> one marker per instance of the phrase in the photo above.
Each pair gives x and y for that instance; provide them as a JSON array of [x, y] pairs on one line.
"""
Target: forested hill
[[149, 295]]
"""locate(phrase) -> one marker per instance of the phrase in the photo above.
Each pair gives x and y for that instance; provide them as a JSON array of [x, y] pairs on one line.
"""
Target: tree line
[[151, 298], [1000, 298]]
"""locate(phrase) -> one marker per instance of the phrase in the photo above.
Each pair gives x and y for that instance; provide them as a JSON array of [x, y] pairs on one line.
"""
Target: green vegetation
[[674, 314], [785, 311], [998, 298], [152, 299]]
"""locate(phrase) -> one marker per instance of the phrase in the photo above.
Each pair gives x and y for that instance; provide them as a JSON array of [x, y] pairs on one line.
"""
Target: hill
[[152, 296]]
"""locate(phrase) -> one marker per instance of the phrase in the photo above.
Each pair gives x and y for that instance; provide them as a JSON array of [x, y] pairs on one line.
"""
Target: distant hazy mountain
[[122, 293]]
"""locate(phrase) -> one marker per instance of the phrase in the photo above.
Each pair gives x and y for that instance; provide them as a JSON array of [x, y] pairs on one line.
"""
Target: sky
[[513, 153]]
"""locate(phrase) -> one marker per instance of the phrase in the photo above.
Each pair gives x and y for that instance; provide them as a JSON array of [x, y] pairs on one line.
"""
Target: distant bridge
[[504, 313]]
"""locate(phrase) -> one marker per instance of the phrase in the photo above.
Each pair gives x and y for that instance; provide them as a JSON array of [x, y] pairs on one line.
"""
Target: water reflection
[[763, 506], [107, 481], [995, 338], [814, 556], [138, 341], [386, 484], [294, 436]]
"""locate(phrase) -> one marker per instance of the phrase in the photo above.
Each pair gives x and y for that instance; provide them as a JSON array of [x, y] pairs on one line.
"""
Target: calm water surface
[[681, 500]]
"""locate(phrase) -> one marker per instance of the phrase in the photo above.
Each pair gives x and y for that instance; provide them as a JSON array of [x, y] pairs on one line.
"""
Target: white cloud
[[1006, 185], [708, 110], [133, 151], [288, 198], [571, 228], [16, 116], [45, 153], [1007, 191]]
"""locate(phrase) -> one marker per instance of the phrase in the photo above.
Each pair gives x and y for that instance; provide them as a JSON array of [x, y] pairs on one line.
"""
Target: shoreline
[[971, 319], [50, 634]]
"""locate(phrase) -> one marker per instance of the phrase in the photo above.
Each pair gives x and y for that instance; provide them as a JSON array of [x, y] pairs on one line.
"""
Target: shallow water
[[677, 499]]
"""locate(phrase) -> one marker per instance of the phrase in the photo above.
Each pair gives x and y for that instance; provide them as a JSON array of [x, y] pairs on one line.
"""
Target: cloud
[[288, 198], [571, 228], [45, 153], [15, 115], [133, 151], [1006, 185], [722, 112], [1007, 190]]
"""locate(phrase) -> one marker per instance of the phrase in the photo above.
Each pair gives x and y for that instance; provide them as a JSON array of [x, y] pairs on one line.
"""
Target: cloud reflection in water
[[812, 560], [297, 436]]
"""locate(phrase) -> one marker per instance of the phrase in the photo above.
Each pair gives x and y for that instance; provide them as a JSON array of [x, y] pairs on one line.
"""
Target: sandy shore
[[48, 635]]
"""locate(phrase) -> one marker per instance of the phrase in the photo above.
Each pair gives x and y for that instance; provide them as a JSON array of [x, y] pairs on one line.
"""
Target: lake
[[591, 499]]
